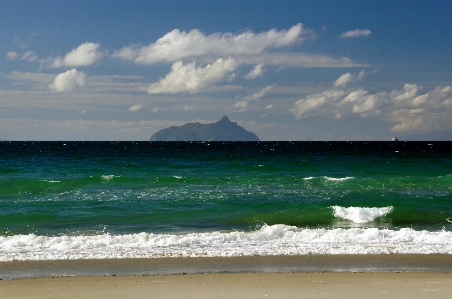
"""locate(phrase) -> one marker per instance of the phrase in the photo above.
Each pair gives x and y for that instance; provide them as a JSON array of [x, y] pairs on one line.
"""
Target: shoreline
[[439, 263]]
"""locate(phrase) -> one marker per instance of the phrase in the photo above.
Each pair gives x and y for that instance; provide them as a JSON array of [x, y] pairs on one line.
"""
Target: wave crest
[[359, 214]]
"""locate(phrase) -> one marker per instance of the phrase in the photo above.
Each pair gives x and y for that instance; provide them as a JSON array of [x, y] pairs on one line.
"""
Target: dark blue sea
[[101, 200]]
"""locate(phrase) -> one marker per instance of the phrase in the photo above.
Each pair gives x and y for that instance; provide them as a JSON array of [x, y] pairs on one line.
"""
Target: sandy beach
[[237, 285], [311, 276]]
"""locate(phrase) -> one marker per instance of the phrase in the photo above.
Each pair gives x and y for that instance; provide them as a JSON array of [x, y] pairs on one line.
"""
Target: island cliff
[[222, 130]]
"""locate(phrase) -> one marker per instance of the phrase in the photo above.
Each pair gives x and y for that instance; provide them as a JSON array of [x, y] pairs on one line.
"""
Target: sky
[[284, 70]]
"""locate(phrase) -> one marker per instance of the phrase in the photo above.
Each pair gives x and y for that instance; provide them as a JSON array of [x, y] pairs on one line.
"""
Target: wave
[[327, 178], [361, 215], [277, 239]]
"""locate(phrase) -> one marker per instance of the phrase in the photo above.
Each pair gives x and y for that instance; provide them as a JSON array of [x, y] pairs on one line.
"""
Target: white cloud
[[136, 107], [29, 56], [192, 79], [177, 45], [68, 81], [84, 55], [410, 111], [156, 109], [297, 60], [355, 33], [313, 102], [346, 78], [269, 106], [11, 55], [243, 104], [255, 72], [409, 92]]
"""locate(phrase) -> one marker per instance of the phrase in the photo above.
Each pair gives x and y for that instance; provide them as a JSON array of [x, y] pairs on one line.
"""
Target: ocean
[[104, 200]]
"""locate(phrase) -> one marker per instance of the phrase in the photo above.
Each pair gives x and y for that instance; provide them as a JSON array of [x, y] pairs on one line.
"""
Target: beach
[[237, 285], [311, 276], [226, 220]]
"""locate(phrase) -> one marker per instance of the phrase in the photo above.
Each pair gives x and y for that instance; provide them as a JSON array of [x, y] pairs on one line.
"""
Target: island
[[222, 130]]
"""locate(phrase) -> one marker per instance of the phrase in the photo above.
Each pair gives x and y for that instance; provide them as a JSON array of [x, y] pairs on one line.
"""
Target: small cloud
[[257, 71], [68, 81], [135, 107], [355, 33], [29, 56], [187, 108], [85, 54], [156, 109], [346, 78], [269, 106], [192, 79], [11, 55], [243, 104]]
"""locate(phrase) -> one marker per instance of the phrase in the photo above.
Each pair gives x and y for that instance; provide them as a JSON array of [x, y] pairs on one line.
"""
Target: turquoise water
[[175, 190]]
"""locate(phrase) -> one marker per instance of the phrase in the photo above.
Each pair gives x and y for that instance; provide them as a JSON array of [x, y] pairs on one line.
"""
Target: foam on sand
[[269, 240]]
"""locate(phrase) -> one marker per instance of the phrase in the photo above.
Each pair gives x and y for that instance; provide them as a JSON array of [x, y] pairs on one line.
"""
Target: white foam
[[338, 179], [327, 178], [360, 215], [269, 240], [108, 177]]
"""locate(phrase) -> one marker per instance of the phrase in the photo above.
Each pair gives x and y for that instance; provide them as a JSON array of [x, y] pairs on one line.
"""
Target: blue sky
[[285, 70]]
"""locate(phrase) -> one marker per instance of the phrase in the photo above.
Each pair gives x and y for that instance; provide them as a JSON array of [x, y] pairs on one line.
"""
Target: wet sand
[[243, 264], [311, 276], [237, 285]]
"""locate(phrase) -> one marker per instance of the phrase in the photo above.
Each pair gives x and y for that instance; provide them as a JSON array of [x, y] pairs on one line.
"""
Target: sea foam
[[360, 215], [269, 240]]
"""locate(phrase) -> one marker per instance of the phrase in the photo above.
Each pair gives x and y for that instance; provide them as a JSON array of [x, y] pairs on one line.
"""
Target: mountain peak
[[224, 119]]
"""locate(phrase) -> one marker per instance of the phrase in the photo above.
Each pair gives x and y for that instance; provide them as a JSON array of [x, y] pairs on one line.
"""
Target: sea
[[113, 200]]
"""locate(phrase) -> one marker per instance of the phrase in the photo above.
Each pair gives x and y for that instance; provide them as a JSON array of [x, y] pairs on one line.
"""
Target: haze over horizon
[[284, 70]]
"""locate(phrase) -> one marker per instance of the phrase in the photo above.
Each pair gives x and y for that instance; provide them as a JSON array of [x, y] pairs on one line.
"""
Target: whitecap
[[338, 179], [360, 214]]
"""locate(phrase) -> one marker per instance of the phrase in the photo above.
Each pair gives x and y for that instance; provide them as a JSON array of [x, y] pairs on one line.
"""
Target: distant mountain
[[222, 130]]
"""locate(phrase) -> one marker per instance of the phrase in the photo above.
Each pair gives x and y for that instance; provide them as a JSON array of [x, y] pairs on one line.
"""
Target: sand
[[237, 285], [348, 276]]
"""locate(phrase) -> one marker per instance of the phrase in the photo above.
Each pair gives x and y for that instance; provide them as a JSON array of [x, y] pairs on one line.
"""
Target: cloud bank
[[411, 110], [177, 45]]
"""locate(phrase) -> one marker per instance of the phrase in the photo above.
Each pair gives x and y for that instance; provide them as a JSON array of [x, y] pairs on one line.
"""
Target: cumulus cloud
[[257, 71], [68, 81], [243, 104], [136, 107], [11, 55], [346, 78], [84, 55], [312, 102], [190, 78], [177, 45], [355, 33], [408, 93], [406, 107]]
